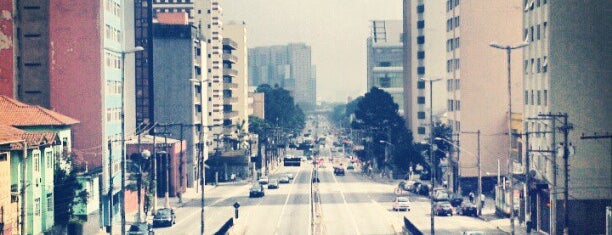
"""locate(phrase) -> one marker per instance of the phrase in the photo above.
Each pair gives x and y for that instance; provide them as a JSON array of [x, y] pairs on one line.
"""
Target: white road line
[[287, 199], [186, 218], [310, 203], [347, 208]]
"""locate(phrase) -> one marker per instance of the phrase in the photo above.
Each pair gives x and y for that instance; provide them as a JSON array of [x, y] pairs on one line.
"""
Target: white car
[[290, 176], [263, 180], [401, 203]]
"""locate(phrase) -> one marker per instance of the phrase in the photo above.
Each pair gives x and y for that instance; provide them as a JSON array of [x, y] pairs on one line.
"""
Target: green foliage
[[67, 192], [376, 114], [280, 109]]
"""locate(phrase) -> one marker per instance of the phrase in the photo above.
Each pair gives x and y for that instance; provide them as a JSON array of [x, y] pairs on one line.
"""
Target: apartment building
[[424, 58], [565, 69], [235, 85], [384, 48], [207, 16], [143, 70], [287, 66], [477, 83], [180, 87]]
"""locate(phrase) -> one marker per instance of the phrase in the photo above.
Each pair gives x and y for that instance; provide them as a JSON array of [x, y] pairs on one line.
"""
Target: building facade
[[477, 83], [7, 49], [289, 67], [237, 95], [566, 71], [9, 195], [180, 88], [385, 59]]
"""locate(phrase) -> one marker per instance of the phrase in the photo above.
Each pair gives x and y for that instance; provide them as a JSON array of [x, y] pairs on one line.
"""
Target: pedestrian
[[482, 201], [180, 198], [471, 196]]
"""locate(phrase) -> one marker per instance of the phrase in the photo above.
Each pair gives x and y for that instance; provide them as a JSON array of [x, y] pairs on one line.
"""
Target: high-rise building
[[424, 22], [289, 67], [179, 85], [566, 70], [207, 16], [385, 59], [87, 41], [143, 71], [235, 85], [477, 83]]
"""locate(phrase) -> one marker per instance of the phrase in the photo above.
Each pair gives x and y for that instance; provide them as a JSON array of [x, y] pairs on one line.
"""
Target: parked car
[[443, 208], [264, 180], [415, 187], [140, 229], [350, 167], [256, 191], [164, 217], [440, 195], [423, 189], [338, 171], [401, 203], [468, 209], [273, 184], [456, 199], [284, 179]]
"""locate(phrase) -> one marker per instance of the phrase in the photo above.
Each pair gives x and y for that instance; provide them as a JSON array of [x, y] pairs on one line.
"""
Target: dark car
[[443, 208], [423, 189], [256, 191], [338, 171], [164, 217], [468, 209], [273, 184], [140, 229], [455, 200]]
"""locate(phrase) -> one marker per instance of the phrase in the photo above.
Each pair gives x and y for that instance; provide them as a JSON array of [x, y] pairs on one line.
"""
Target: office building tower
[[385, 59]]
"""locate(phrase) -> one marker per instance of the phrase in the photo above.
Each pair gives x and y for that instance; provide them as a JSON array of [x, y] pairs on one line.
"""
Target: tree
[[67, 191], [376, 114], [280, 109], [441, 131]]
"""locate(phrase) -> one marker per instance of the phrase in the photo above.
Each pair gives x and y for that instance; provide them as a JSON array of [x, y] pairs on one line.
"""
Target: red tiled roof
[[174, 18], [16, 113], [9, 134]]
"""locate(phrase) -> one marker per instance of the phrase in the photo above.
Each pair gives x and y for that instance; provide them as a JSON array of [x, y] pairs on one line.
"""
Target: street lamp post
[[123, 53], [508, 49], [431, 158]]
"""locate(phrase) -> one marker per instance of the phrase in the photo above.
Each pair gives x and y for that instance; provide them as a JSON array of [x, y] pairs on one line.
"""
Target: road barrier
[[410, 229], [225, 229]]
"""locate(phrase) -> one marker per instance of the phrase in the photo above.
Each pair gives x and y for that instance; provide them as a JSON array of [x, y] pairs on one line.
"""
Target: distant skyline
[[335, 29]]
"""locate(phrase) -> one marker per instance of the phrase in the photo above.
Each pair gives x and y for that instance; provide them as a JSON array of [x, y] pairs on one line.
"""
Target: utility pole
[[110, 186], [566, 154], [23, 192], [202, 177]]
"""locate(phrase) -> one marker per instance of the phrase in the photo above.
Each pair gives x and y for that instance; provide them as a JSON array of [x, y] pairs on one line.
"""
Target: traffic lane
[[336, 218], [188, 217], [373, 218], [295, 219], [265, 216]]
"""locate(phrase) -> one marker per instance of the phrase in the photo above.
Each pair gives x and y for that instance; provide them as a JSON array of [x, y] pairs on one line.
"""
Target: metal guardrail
[[224, 230], [410, 229]]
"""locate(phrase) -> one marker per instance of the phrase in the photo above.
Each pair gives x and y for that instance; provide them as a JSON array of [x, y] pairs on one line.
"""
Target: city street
[[350, 204]]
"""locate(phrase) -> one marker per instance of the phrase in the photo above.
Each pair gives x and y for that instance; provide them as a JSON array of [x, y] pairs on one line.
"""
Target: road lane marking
[[186, 218], [310, 204], [347, 208], [287, 199]]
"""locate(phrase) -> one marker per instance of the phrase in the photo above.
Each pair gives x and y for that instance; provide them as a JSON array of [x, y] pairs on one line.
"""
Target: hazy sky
[[335, 29]]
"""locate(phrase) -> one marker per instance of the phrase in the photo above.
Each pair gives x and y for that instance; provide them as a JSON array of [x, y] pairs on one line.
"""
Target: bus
[[292, 161]]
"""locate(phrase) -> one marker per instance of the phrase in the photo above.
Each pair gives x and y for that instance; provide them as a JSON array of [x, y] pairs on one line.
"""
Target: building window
[[421, 70], [420, 39], [37, 206], [526, 65], [421, 55], [531, 34], [420, 9], [538, 32], [50, 202], [421, 130], [545, 98], [421, 115], [539, 94], [457, 22], [526, 97], [384, 64], [531, 98], [49, 160], [420, 24], [36, 162], [420, 100], [544, 29], [545, 65], [458, 105], [539, 66], [421, 85]]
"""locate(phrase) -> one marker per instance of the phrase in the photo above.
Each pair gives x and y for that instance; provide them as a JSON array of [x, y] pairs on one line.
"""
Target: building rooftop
[[9, 134], [18, 114]]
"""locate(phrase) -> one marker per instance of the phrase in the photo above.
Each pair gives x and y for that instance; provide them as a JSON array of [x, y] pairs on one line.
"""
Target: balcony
[[229, 44], [230, 58], [230, 100], [230, 86], [231, 114], [230, 72]]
